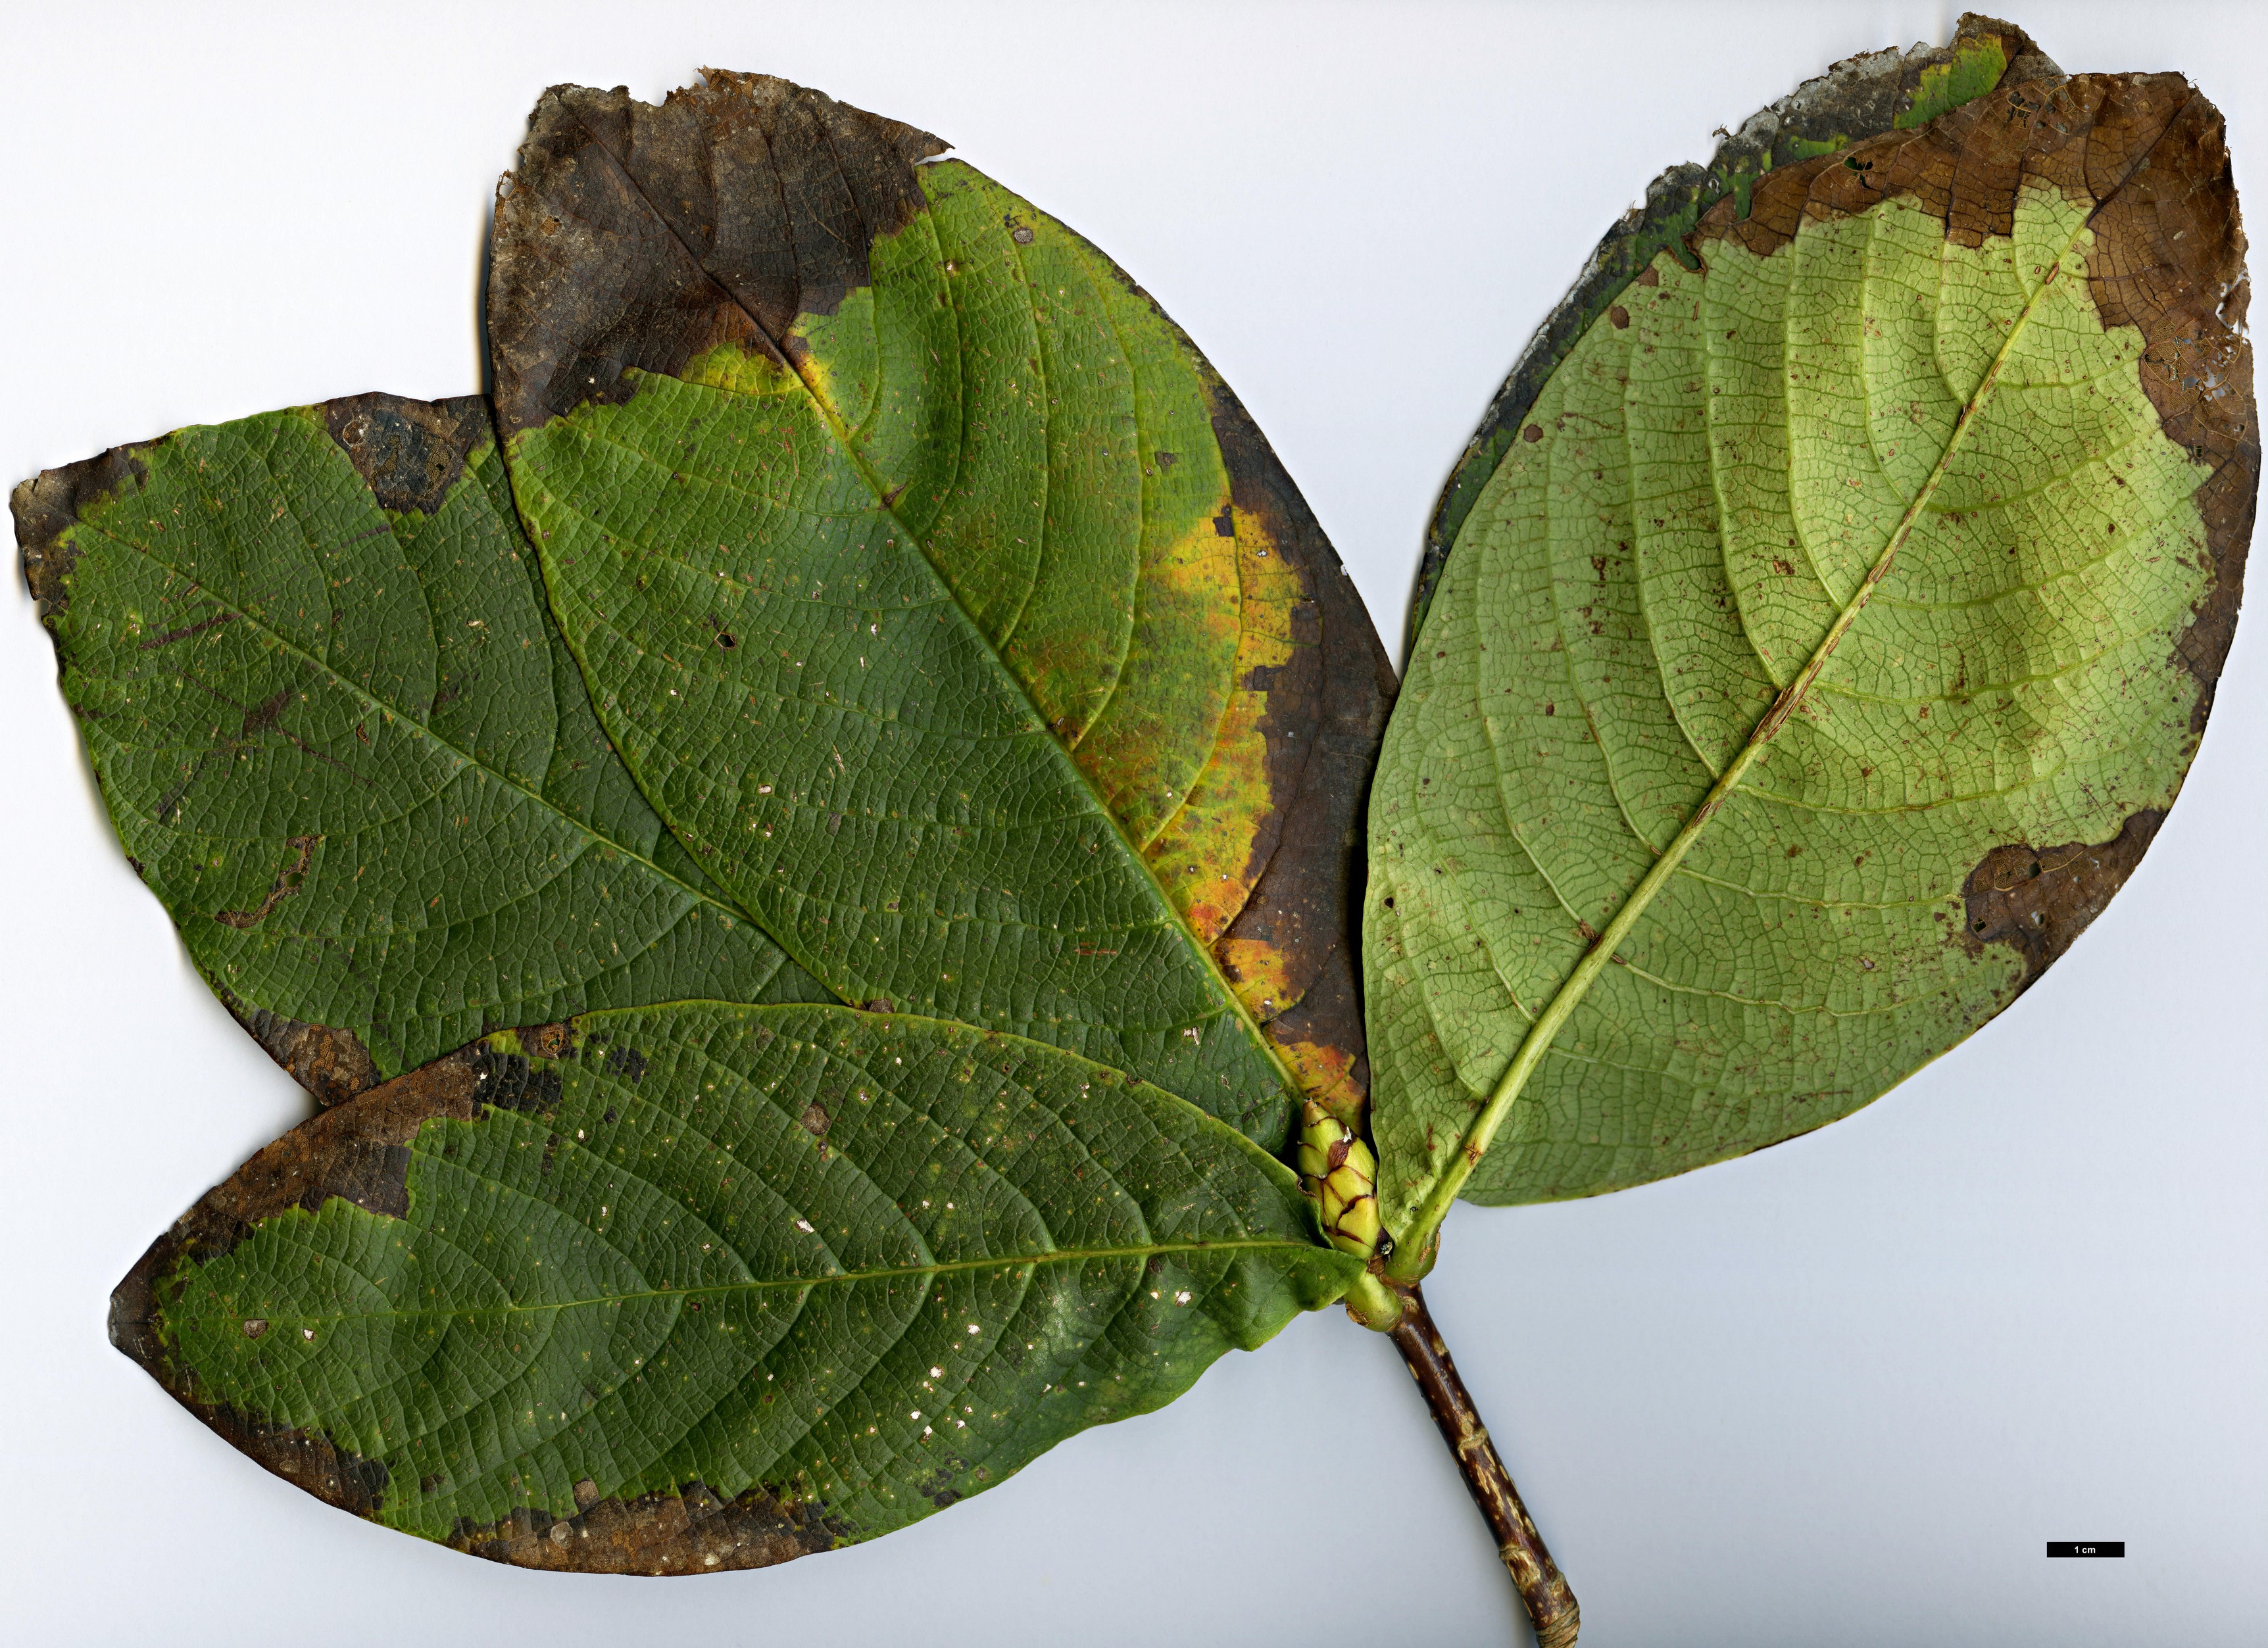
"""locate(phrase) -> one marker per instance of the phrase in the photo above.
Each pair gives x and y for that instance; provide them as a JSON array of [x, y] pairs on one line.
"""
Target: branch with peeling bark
[[1544, 1591]]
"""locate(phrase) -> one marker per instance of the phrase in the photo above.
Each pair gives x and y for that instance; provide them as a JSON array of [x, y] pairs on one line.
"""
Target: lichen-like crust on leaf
[[1824, 650], [346, 747], [937, 591], [699, 1287]]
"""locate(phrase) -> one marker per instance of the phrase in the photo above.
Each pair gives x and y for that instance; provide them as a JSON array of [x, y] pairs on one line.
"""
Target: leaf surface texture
[[938, 592], [345, 745], [1871, 581], [714, 1286]]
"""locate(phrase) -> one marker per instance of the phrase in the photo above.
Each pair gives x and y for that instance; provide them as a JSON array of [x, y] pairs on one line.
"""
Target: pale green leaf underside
[[347, 750], [863, 1264], [847, 626], [1714, 469]]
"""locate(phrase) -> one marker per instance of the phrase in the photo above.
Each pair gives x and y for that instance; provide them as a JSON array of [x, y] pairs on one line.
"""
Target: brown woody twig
[[1550, 1603]]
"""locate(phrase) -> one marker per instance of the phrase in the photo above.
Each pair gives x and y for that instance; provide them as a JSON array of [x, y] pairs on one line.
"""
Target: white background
[[1838, 1393]]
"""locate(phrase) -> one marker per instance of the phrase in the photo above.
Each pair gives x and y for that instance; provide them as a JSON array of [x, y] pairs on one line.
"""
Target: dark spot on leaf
[[510, 1082], [2037, 900], [286, 883], [169, 636], [264, 716], [408, 453], [549, 1041]]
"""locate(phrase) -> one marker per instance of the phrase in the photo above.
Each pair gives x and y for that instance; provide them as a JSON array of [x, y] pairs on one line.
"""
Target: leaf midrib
[[418, 724], [1414, 1248], [883, 502], [1060, 1255]]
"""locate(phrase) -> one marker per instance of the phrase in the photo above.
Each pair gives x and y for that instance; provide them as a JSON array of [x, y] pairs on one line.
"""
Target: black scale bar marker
[[2087, 1547]]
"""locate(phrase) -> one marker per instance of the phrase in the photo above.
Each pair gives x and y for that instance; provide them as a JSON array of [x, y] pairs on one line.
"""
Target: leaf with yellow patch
[[939, 594]]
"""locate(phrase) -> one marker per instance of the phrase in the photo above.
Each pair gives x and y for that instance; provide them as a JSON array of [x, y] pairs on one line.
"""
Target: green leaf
[[1860, 98], [1822, 653], [937, 591], [697, 1287], [344, 745], [1975, 68]]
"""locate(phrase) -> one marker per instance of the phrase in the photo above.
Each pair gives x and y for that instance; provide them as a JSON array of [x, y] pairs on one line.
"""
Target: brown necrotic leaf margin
[[2168, 259], [614, 252], [637, 237], [410, 453], [1322, 734], [1858, 98], [359, 1150]]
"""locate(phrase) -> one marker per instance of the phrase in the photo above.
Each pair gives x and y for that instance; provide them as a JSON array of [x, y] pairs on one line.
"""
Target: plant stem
[[1550, 1603]]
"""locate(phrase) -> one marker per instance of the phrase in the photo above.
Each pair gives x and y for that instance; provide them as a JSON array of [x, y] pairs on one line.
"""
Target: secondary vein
[[1415, 1246], [886, 506]]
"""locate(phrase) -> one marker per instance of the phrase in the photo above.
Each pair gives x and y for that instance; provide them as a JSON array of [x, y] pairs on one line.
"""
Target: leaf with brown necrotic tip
[[701, 1287], [1821, 652], [936, 588]]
